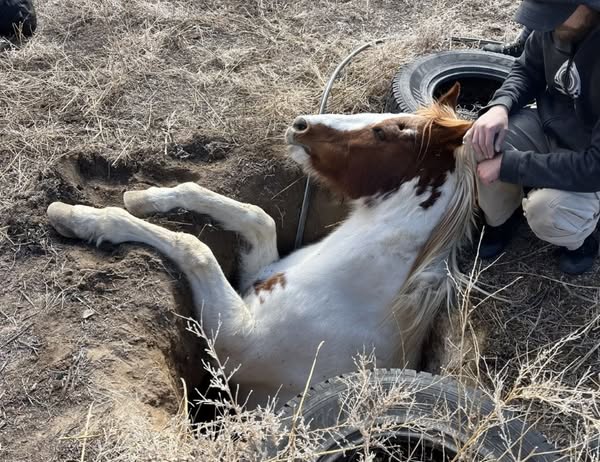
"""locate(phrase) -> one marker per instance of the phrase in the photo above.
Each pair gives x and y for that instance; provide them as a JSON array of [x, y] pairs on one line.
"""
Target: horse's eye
[[379, 133]]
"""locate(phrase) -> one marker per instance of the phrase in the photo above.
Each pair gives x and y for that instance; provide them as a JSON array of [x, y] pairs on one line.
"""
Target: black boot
[[580, 260], [512, 49], [496, 238], [17, 19]]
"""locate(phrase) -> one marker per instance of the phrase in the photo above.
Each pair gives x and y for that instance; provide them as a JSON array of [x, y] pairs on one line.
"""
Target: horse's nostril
[[300, 125]]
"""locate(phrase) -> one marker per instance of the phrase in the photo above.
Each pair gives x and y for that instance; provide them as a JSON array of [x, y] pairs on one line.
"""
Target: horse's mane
[[423, 292], [442, 115]]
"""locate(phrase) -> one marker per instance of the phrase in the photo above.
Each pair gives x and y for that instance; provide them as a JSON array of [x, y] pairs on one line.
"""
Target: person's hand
[[489, 170], [488, 132]]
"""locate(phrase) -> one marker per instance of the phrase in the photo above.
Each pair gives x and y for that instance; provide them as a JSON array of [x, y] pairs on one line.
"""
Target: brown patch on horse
[[269, 284], [378, 159]]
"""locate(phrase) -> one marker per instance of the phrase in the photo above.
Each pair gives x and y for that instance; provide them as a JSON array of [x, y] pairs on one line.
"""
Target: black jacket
[[565, 82]]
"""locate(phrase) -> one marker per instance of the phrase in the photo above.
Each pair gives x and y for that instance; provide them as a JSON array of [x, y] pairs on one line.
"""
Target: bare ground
[[112, 95]]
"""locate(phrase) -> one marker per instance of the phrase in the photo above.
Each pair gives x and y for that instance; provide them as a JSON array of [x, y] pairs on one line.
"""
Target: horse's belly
[[288, 376], [287, 340]]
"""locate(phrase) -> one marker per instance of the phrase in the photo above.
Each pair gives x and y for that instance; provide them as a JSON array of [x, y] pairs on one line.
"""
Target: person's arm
[[564, 169], [526, 80]]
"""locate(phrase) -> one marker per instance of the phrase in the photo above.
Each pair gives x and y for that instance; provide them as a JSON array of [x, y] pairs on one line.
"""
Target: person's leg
[[568, 220], [500, 201]]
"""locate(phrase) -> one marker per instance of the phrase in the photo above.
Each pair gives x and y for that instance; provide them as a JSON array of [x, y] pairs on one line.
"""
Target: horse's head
[[365, 155]]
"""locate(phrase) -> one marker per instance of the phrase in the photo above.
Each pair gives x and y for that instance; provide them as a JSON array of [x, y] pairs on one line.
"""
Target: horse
[[372, 285]]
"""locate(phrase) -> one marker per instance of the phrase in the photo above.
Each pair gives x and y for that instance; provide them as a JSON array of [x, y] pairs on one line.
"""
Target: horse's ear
[[450, 98], [450, 132]]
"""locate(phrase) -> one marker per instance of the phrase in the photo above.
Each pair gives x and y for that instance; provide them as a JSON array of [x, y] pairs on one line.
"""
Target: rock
[[88, 313]]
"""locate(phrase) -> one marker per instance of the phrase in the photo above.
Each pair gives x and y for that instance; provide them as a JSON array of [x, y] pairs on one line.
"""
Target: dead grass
[[133, 82], [114, 77]]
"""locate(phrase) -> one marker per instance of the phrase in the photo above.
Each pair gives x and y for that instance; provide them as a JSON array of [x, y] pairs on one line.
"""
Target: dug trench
[[113, 324]]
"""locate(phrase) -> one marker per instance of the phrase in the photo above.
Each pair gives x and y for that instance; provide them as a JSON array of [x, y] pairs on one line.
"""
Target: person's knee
[[541, 214], [552, 219]]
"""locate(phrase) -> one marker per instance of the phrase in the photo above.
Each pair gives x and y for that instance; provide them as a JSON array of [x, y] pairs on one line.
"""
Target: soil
[[90, 334]]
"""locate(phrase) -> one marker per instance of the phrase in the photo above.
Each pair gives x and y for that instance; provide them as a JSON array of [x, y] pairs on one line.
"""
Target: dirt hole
[[94, 180], [98, 169]]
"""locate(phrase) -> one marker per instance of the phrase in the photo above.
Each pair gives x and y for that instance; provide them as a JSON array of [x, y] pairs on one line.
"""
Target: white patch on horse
[[299, 155], [352, 121]]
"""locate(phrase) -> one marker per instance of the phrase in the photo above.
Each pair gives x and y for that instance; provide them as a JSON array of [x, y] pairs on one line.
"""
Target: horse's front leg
[[252, 223], [214, 298]]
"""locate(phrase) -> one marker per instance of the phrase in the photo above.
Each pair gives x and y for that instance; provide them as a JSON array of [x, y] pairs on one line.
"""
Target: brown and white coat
[[374, 284]]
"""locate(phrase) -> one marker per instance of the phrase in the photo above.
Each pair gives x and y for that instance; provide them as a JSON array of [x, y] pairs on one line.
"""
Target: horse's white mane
[[428, 285]]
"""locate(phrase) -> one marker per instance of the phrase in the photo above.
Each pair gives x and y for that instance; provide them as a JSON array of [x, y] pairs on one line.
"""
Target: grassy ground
[[113, 95]]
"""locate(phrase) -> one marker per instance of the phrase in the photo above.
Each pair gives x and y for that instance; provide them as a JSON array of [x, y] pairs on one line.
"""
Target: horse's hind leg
[[215, 300], [249, 221]]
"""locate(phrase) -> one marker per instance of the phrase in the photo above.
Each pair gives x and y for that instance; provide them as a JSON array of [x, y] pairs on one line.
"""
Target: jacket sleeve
[[563, 169], [526, 80]]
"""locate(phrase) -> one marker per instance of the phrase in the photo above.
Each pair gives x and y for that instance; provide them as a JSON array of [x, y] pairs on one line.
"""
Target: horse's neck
[[375, 248], [396, 221]]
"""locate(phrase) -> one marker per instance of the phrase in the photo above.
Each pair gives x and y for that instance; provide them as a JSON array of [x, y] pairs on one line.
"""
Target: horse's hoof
[[137, 203], [61, 218]]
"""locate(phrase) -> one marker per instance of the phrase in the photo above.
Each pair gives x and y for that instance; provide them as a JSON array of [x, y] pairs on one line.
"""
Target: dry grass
[[114, 77], [128, 81]]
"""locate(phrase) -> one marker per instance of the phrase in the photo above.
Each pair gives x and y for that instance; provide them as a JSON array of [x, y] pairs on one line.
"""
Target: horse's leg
[[249, 221], [214, 298]]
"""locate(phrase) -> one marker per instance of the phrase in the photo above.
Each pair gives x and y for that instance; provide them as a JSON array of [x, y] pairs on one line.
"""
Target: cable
[[322, 109]]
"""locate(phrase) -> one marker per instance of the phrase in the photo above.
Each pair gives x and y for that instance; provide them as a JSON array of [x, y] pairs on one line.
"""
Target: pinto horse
[[373, 284]]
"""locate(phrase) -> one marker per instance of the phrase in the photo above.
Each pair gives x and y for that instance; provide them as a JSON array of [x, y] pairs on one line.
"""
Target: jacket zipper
[[566, 81]]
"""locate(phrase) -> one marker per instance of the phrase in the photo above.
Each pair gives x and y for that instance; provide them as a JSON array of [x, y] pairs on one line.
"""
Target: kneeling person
[[554, 149]]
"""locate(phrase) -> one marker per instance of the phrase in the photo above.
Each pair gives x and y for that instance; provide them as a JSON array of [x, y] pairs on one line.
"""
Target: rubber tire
[[322, 408], [14, 13], [414, 85]]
